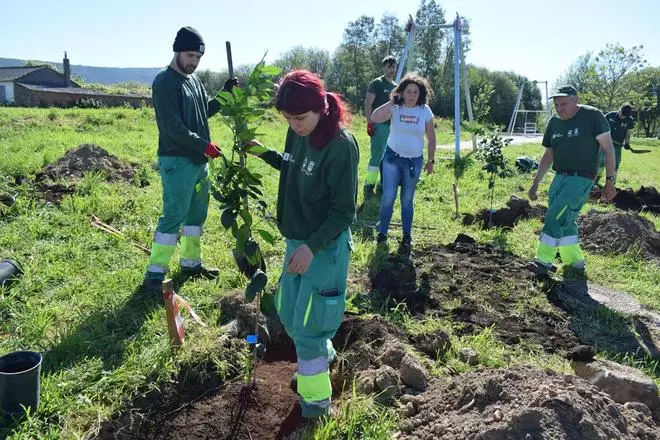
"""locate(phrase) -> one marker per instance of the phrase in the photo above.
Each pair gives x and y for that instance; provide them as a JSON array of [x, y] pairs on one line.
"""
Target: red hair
[[301, 91]]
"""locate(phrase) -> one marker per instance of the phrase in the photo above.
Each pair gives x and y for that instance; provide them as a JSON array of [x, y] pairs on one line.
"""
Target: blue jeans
[[404, 172]]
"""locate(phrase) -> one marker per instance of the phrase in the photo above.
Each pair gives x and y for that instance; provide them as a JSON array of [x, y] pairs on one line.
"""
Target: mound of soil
[[516, 209], [477, 286], [522, 402], [618, 232], [646, 198], [87, 158]]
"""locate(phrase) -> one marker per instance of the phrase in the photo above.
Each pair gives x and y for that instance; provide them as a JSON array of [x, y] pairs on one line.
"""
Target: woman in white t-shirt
[[411, 119]]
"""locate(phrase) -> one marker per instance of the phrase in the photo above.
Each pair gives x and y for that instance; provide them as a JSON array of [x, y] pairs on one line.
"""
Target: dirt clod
[[582, 353], [516, 209], [646, 198]]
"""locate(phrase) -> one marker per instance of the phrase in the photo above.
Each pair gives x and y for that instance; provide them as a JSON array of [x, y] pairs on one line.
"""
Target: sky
[[536, 39]]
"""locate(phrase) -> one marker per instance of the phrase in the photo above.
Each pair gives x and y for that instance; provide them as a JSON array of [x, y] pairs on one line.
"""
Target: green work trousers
[[378, 144], [185, 207], [311, 307], [560, 231]]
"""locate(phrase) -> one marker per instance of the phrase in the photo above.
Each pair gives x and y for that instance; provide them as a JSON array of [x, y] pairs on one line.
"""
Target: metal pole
[[466, 86], [404, 53], [514, 116], [547, 102], [457, 89]]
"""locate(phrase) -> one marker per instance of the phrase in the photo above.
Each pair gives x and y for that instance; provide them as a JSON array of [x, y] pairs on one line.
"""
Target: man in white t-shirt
[[411, 120]]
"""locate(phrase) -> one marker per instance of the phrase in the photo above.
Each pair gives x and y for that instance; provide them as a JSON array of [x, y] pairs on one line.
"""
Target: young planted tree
[[234, 186], [489, 151], [459, 166]]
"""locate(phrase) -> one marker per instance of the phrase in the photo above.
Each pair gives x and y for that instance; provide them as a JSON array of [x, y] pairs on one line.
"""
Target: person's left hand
[[230, 84], [428, 167], [300, 260], [609, 191]]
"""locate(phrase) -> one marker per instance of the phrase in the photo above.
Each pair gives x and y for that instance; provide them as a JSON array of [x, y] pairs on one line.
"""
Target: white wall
[[9, 91]]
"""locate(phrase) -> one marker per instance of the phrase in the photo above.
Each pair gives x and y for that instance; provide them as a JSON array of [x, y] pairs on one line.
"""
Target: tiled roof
[[14, 73]]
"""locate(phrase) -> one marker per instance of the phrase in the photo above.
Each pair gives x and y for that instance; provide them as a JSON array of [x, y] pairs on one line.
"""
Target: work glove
[[212, 150], [230, 84], [626, 146], [371, 128]]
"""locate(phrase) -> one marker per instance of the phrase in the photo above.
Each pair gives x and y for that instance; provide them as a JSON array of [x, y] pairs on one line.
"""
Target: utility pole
[[547, 100]]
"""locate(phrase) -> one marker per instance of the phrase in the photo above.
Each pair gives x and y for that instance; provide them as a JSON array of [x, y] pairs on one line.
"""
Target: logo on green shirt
[[307, 167]]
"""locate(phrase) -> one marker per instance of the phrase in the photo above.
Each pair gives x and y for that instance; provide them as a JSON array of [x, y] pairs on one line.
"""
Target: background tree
[[643, 90], [389, 39], [309, 58], [428, 43], [612, 65], [354, 51]]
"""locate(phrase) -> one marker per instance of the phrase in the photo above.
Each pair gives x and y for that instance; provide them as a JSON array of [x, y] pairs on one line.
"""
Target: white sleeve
[[428, 114]]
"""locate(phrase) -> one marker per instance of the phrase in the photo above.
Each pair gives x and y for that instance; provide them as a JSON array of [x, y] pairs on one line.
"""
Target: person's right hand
[[532, 192], [626, 146], [371, 129], [255, 147], [212, 150]]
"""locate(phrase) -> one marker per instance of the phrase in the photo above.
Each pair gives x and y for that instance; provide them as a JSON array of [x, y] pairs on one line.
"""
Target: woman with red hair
[[315, 208]]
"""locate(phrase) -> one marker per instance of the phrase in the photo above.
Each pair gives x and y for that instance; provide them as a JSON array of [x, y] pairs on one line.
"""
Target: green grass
[[104, 344]]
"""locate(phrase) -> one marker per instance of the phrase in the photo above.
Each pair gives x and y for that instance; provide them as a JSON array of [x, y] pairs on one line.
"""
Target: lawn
[[105, 342]]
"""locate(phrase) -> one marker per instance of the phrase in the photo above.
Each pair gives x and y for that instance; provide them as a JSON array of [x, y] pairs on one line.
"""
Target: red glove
[[212, 150], [371, 129]]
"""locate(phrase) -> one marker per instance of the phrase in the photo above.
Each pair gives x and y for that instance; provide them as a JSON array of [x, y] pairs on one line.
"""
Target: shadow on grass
[[595, 324], [9, 424], [104, 334], [367, 217], [394, 282]]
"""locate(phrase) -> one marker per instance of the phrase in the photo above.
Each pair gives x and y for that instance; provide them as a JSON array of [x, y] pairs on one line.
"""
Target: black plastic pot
[[10, 270], [19, 381]]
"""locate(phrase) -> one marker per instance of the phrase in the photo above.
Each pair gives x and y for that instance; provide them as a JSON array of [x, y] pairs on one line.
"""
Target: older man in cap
[[182, 108], [572, 140]]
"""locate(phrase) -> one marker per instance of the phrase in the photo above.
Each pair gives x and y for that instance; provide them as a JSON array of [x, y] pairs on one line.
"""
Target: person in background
[[182, 109], [572, 140], [621, 125], [378, 94], [411, 120]]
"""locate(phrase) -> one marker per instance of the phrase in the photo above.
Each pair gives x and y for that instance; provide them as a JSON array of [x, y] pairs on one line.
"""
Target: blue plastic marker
[[252, 339]]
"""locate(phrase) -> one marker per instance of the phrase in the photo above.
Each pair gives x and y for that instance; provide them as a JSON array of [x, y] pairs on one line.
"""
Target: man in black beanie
[[182, 108]]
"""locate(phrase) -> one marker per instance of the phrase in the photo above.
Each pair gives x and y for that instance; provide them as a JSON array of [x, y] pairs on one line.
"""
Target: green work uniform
[[618, 128], [315, 206], [381, 88], [182, 110], [575, 152]]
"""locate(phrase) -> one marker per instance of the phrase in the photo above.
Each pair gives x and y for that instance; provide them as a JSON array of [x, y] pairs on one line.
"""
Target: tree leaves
[[256, 285], [232, 183]]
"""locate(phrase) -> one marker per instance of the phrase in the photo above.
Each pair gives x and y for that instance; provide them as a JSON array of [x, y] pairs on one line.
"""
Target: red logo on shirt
[[408, 119]]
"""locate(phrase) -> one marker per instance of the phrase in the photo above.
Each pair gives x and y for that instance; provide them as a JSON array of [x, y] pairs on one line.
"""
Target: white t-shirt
[[407, 129]]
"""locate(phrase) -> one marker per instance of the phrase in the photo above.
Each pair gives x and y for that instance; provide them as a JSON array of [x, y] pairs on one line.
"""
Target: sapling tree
[[489, 151], [235, 186]]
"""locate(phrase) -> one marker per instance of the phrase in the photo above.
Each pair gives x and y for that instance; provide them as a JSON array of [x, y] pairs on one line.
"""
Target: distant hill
[[99, 75]]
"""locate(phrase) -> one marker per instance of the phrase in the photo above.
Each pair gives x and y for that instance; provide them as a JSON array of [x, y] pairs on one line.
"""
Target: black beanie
[[188, 39]]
